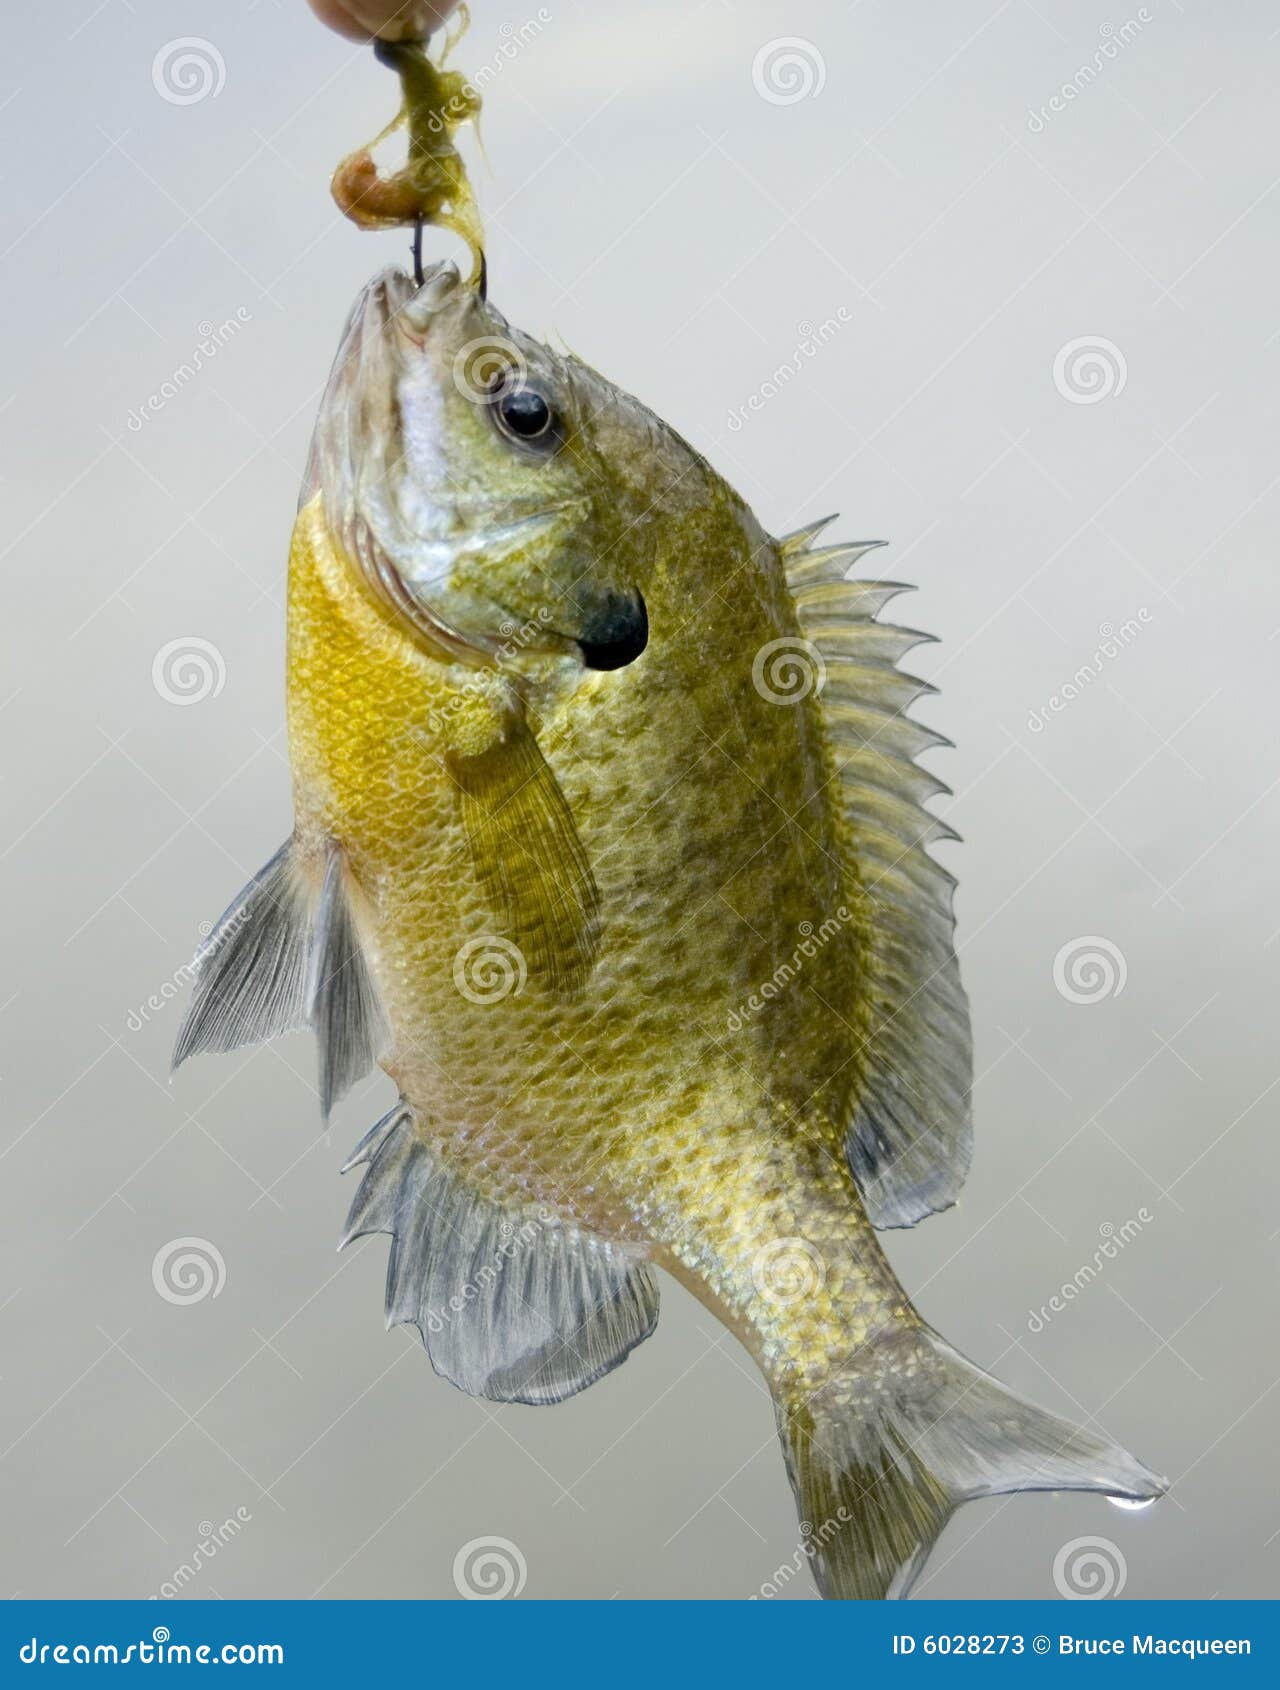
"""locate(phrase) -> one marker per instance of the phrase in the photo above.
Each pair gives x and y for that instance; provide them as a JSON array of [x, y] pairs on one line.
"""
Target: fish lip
[[396, 302]]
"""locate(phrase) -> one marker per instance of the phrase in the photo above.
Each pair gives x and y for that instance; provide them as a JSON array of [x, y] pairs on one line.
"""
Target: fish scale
[[611, 847], [588, 1067]]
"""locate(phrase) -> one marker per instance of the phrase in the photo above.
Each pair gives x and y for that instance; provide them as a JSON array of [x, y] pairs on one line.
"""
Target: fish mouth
[[396, 300], [408, 557], [395, 314]]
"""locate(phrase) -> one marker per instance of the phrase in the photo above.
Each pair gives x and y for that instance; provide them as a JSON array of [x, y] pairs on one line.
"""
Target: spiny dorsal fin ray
[[868, 597], [510, 1304], [877, 685], [834, 563], [865, 763], [837, 625], [910, 1138], [801, 540], [888, 731]]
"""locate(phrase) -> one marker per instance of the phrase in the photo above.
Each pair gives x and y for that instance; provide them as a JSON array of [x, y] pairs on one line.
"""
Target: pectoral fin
[[528, 857]]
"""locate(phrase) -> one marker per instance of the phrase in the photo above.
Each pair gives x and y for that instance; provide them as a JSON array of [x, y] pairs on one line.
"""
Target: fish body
[[633, 1112], [610, 845]]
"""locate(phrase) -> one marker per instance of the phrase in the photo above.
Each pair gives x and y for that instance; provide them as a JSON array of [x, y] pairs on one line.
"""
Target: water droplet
[[1136, 1504]]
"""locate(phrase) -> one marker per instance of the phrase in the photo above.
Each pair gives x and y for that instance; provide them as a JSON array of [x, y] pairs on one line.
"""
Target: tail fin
[[878, 1459]]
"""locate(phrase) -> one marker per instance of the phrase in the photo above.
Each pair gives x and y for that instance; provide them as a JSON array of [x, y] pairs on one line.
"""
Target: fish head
[[502, 496]]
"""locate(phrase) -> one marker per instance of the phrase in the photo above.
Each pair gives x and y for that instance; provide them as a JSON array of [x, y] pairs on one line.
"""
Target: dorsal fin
[[801, 541], [910, 1138]]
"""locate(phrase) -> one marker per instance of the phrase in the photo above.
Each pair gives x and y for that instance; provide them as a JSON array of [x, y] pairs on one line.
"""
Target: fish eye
[[524, 414]]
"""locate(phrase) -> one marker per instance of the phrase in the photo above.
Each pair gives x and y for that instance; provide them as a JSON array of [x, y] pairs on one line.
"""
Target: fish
[[612, 848]]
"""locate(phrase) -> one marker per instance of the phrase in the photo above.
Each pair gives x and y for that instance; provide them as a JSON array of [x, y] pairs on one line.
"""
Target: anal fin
[[512, 1305]]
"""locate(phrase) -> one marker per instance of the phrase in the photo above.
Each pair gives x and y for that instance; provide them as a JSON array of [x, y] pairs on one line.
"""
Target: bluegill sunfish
[[611, 848]]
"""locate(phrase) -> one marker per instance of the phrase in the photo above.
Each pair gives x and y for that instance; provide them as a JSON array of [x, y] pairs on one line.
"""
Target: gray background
[[648, 204]]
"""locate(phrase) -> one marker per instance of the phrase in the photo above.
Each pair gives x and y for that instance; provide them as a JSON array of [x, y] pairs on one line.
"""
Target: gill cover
[[418, 513]]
